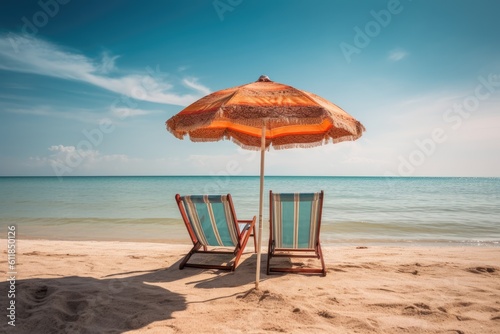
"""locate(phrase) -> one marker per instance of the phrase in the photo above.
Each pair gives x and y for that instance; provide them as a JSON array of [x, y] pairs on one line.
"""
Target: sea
[[356, 210]]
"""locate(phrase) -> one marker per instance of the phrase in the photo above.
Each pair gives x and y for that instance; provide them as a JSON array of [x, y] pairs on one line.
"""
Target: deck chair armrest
[[246, 220], [245, 224]]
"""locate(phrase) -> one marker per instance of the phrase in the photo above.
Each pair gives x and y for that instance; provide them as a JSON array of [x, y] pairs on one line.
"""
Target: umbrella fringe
[[181, 131], [177, 134], [355, 130], [316, 143], [301, 145], [359, 130], [203, 140], [244, 146]]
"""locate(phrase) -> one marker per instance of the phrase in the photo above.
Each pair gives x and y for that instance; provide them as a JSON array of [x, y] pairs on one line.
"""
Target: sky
[[86, 86]]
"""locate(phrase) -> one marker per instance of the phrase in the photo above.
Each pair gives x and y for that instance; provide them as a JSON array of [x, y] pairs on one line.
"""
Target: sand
[[120, 287]]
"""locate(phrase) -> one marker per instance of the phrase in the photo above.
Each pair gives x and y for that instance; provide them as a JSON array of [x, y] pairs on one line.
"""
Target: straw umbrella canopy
[[263, 114]]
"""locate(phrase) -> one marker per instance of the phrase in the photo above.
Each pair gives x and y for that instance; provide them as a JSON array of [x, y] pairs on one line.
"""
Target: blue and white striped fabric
[[296, 219], [211, 218]]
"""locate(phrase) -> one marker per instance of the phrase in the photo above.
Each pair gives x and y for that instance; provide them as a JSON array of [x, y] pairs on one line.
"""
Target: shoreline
[[134, 287], [183, 240]]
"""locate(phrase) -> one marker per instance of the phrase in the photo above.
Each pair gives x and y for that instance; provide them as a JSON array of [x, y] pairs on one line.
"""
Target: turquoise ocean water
[[356, 210]]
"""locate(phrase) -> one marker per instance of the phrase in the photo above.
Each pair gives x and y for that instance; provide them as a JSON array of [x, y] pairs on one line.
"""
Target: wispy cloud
[[66, 160], [397, 54], [107, 63], [78, 114], [194, 84], [129, 112], [32, 55], [81, 115]]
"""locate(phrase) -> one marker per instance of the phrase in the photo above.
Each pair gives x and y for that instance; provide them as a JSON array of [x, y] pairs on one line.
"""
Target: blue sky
[[86, 86]]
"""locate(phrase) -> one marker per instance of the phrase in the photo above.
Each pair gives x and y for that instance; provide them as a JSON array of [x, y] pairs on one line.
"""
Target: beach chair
[[211, 222], [295, 222]]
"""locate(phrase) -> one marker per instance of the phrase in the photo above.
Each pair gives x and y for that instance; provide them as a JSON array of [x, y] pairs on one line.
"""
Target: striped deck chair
[[211, 222], [295, 221]]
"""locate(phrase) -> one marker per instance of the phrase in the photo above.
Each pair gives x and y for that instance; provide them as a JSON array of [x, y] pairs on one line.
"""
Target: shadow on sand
[[114, 304]]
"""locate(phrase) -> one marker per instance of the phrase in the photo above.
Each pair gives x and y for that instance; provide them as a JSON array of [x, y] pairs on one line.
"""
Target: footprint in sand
[[417, 308], [326, 314], [41, 292], [481, 270]]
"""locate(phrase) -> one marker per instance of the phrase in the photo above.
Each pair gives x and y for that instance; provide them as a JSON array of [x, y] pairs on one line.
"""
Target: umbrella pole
[[261, 201]]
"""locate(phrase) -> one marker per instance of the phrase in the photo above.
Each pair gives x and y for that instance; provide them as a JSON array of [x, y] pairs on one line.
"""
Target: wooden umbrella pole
[[261, 202]]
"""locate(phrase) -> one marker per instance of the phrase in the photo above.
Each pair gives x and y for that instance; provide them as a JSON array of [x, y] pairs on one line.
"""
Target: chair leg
[[237, 258], [188, 256], [254, 240], [318, 254], [322, 260], [239, 251], [269, 255]]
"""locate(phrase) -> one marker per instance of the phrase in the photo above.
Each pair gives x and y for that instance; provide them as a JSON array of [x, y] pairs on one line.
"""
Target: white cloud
[[62, 148], [397, 54], [62, 160], [78, 114], [71, 160], [107, 63], [63, 154], [193, 83], [31, 55], [129, 112], [81, 115]]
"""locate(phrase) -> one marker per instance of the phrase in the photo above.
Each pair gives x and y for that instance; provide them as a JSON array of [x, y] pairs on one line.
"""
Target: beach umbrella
[[263, 114]]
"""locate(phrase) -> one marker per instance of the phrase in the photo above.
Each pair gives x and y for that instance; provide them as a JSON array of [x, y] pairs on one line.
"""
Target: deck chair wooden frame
[[294, 230], [211, 222]]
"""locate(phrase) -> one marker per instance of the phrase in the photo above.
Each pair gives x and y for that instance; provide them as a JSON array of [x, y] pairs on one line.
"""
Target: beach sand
[[122, 287]]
